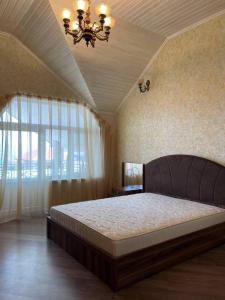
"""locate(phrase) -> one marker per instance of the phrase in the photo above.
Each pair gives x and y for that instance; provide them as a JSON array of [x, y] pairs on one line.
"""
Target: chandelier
[[83, 28]]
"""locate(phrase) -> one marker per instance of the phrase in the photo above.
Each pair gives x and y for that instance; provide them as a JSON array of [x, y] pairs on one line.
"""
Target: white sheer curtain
[[46, 144]]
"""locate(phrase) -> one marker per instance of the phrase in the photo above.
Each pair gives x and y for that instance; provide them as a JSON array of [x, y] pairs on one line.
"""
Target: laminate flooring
[[32, 267]]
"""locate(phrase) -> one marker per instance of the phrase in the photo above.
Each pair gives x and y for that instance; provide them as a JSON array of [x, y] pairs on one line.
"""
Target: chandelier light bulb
[[82, 5], [103, 9], [110, 22], [66, 14]]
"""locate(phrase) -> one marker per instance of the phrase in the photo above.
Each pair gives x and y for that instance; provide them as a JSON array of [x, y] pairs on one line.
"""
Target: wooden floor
[[31, 267]]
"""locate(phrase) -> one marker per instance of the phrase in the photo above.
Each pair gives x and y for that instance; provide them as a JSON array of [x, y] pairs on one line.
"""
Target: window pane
[[34, 112], [29, 161], [24, 114], [44, 113]]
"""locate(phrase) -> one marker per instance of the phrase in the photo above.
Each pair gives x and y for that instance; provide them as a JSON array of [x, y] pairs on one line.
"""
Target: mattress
[[122, 225]]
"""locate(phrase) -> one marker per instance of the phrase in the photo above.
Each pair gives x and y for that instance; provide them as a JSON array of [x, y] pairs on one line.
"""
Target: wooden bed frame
[[182, 176]]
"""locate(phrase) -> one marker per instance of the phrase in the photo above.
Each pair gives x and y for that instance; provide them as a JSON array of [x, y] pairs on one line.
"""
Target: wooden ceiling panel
[[104, 75], [166, 17], [111, 69], [37, 28]]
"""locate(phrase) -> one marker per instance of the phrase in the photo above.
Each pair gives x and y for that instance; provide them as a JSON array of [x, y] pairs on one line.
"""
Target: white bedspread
[[135, 218]]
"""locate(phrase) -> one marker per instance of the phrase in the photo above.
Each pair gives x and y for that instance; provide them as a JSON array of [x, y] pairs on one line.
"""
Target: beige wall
[[21, 71], [184, 113]]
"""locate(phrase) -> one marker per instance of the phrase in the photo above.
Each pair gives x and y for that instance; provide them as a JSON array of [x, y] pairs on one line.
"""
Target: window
[[42, 139]]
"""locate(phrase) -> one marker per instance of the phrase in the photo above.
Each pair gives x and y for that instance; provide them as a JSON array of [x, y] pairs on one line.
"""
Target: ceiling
[[166, 17], [34, 23], [104, 75]]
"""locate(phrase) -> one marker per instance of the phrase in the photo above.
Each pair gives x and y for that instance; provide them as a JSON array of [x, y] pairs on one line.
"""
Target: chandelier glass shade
[[83, 28]]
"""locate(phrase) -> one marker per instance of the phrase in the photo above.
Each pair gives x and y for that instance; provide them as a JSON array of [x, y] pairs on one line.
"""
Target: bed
[[124, 239]]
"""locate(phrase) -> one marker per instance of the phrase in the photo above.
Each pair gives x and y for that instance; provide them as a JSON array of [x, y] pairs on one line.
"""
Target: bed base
[[121, 272]]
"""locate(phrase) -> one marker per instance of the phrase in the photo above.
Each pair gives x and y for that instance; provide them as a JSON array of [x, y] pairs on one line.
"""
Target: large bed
[[124, 239]]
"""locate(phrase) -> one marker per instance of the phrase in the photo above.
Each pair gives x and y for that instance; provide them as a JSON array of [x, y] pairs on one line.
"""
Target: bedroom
[[71, 115]]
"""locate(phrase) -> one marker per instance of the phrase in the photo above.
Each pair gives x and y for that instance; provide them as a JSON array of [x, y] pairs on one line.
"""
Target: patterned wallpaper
[[21, 71], [184, 113]]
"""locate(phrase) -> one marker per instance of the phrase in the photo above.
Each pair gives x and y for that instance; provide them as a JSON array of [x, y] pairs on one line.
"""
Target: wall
[[184, 113], [22, 71]]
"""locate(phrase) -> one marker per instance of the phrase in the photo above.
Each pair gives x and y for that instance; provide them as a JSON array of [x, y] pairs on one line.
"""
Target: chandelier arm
[[102, 21], [80, 18], [74, 33], [81, 25], [78, 38], [99, 29], [69, 32], [102, 38]]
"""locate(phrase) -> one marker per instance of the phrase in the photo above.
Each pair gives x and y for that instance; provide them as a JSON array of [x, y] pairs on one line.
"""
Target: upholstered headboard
[[188, 177]]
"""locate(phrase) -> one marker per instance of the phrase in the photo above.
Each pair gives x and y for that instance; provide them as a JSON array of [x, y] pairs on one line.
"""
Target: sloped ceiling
[[166, 17], [112, 68], [104, 75], [34, 23]]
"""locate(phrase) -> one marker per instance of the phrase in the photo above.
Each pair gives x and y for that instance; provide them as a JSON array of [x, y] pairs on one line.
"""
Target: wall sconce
[[144, 87]]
